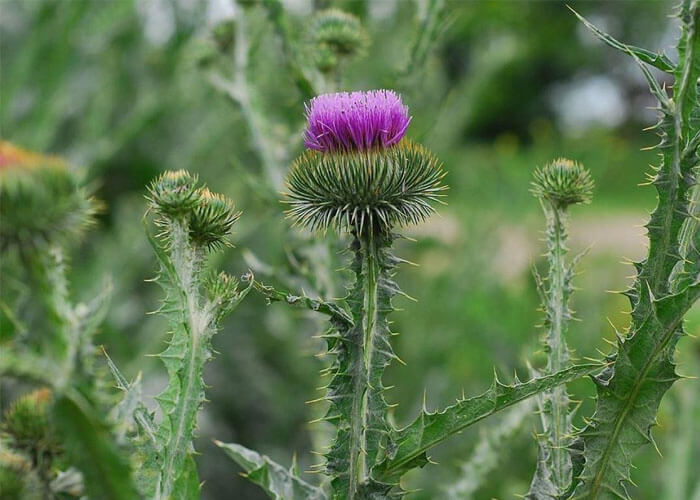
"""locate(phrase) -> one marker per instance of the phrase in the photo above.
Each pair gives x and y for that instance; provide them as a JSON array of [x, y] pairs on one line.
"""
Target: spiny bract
[[563, 182], [378, 188]]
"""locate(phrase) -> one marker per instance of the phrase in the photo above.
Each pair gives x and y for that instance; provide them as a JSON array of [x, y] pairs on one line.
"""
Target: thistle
[[42, 200], [362, 179], [361, 176], [557, 185], [194, 222], [45, 208], [359, 173]]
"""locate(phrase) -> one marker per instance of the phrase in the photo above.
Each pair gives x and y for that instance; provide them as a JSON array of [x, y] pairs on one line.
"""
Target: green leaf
[[300, 300], [659, 61], [90, 447], [278, 482], [362, 350], [629, 392], [408, 446], [628, 396]]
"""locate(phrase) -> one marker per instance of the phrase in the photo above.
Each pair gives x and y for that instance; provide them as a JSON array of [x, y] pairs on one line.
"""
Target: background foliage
[[123, 89]]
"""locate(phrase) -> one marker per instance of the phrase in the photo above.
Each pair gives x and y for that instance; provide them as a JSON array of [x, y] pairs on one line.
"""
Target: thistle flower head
[[355, 121], [563, 182], [379, 188], [41, 199]]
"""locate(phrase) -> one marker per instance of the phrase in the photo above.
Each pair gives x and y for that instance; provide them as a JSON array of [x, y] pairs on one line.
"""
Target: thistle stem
[[370, 355], [185, 260], [558, 354]]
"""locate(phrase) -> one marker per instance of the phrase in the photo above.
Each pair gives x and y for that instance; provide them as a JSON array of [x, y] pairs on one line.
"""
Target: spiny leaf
[[278, 482], [300, 300], [659, 61], [489, 452], [630, 391], [629, 394], [407, 448]]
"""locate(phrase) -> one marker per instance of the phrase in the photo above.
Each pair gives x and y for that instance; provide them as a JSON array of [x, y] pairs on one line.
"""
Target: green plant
[[193, 222], [557, 185], [667, 284], [368, 184], [48, 434]]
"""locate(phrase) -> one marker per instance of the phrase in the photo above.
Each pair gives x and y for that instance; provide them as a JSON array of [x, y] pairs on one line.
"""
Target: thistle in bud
[[359, 171], [337, 35], [42, 200], [360, 174], [212, 219], [27, 422], [174, 193], [176, 196], [563, 182]]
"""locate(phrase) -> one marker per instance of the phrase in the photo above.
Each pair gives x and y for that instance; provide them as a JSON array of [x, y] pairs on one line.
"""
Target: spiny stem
[[367, 255], [369, 321], [51, 274], [557, 312], [185, 260]]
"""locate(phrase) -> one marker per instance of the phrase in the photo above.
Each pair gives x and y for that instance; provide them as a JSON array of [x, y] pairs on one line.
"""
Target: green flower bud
[[212, 219], [27, 422], [378, 188], [563, 182], [336, 34], [41, 199], [174, 193]]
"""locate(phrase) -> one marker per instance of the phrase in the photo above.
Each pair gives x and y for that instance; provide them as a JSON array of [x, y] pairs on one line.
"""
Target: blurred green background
[[124, 89]]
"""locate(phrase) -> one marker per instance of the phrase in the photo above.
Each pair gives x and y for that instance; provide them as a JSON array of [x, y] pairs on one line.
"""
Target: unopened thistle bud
[[27, 422], [336, 35], [212, 219], [359, 171], [174, 193], [41, 199], [563, 182], [209, 217]]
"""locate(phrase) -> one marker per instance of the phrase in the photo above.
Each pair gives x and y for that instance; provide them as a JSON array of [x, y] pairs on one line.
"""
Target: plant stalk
[[557, 430]]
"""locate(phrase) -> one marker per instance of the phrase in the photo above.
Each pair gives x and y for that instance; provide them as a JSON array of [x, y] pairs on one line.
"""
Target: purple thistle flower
[[355, 121]]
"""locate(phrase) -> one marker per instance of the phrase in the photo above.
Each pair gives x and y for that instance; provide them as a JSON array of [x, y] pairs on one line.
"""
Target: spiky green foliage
[[41, 200], [194, 222], [279, 483], [362, 351], [557, 185], [375, 189], [409, 446], [630, 391]]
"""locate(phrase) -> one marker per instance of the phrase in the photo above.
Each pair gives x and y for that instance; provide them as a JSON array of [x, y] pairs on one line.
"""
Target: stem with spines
[[363, 351], [553, 475]]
